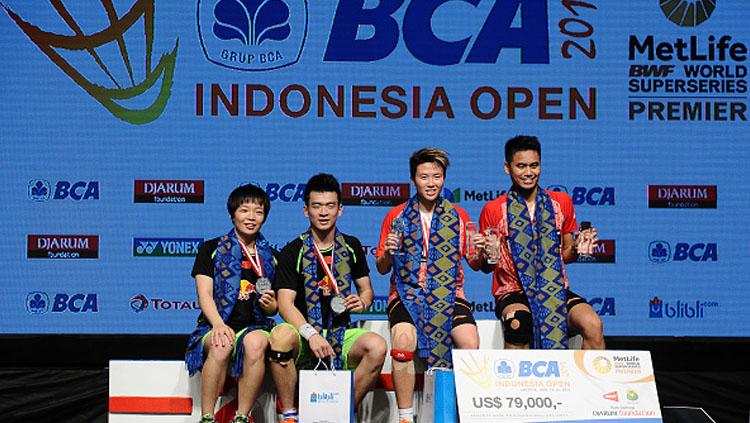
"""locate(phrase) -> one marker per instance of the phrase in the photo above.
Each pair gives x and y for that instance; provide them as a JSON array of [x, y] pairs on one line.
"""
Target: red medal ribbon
[[257, 266], [328, 271]]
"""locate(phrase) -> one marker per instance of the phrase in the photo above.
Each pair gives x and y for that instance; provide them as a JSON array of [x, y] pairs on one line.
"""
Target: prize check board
[[555, 385]]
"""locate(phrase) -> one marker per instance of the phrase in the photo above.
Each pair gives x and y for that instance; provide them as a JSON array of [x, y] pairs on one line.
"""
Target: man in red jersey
[[529, 281], [423, 241]]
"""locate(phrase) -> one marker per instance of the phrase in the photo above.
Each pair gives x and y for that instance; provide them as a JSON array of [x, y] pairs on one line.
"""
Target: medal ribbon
[[425, 251], [256, 262], [328, 270]]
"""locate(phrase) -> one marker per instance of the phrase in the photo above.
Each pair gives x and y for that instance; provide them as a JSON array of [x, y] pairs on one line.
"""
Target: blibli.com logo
[[43, 190], [324, 397], [592, 196], [662, 252], [252, 35], [38, 303], [362, 33], [660, 309]]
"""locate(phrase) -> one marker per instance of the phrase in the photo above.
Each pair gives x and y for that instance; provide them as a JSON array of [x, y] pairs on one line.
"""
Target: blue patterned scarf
[[431, 308], [227, 279], [342, 271], [536, 253]]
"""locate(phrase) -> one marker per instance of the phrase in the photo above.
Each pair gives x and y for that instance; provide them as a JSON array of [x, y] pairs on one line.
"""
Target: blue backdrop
[[124, 128]]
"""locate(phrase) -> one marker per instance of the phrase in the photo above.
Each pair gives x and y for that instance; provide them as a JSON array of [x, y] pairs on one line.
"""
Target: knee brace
[[518, 327], [402, 356], [279, 356]]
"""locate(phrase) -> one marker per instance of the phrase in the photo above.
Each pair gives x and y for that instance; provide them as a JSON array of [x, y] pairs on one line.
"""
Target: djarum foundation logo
[[116, 94]]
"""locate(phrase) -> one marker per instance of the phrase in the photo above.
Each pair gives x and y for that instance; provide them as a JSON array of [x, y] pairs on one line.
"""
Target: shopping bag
[[438, 397], [326, 395]]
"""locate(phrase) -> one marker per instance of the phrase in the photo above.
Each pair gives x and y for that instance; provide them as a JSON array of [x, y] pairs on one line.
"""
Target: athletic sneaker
[[405, 421], [241, 418], [289, 420], [208, 418]]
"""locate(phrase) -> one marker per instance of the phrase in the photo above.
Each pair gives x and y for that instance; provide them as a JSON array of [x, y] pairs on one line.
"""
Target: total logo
[[42, 190], [38, 303], [252, 35], [420, 22], [662, 252], [140, 303], [680, 309], [592, 196]]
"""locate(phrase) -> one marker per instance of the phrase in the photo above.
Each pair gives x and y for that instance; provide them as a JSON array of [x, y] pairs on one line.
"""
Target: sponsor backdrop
[[126, 124]]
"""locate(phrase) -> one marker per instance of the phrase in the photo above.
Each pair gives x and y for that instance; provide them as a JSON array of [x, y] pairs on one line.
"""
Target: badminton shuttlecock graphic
[[113, 94]]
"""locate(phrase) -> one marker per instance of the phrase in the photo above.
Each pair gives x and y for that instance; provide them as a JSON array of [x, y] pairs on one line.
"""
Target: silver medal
[[262, 285], [338, 305]]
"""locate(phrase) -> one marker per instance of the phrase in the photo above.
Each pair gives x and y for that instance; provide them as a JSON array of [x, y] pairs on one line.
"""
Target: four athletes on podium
[[525, 238]]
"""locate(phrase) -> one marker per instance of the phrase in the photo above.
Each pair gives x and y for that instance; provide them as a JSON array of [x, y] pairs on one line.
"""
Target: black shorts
[[518, 297], [461, 313]]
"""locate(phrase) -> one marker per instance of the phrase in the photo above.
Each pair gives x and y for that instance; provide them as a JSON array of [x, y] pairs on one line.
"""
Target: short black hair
[[521, 143], [322, 182], [248, 194]]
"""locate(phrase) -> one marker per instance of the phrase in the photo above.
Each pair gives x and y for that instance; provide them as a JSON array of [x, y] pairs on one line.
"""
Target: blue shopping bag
[[439, 397]]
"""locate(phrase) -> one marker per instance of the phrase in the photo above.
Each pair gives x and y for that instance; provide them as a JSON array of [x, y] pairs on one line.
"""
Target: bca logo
[[287, 193], [543, 369], [594, 196], [504, 368], [603, 306], [39, 303], [660, 252], [252, 35], [366, 34], [41, 190]]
